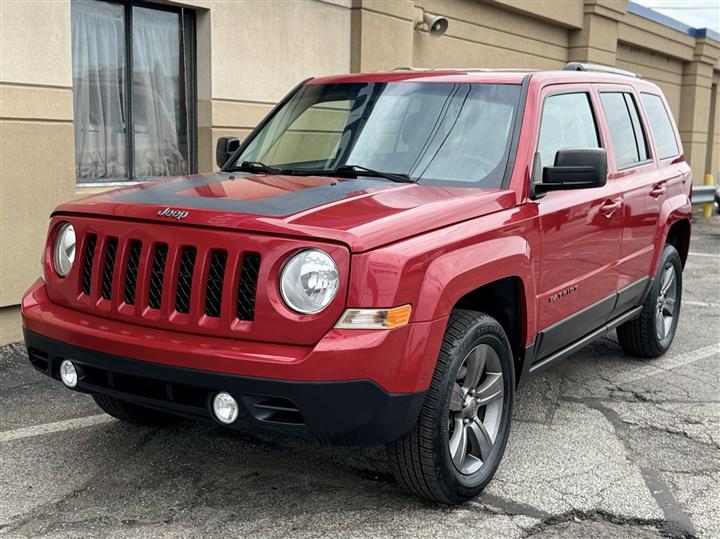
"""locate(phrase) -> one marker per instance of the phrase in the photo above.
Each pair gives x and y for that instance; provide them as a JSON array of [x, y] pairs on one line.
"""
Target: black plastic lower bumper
[[346, 412]]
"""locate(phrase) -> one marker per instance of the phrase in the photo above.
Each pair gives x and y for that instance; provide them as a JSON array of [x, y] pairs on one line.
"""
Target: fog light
[[225, 408], [68, 373]]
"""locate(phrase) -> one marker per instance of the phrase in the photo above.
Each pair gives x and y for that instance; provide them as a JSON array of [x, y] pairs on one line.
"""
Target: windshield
[[428, 131]]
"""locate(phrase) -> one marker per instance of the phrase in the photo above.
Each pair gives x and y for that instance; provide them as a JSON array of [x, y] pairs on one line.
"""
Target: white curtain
[[99, 90], [158, 110], [98, 56]]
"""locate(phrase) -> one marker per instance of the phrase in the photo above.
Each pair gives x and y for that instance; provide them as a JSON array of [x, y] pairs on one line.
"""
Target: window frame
[[188, 87], [564, 90], [673, 127], [649, 148]]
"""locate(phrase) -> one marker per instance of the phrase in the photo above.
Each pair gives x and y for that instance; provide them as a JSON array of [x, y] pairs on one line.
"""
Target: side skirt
[[587, 325], [544, 363]]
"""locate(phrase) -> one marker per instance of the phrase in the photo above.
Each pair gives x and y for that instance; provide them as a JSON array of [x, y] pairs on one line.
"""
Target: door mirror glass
[[226, 147]]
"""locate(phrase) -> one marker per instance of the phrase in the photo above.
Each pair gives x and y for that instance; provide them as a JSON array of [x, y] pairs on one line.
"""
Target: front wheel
[[652, 333], [459, 439]]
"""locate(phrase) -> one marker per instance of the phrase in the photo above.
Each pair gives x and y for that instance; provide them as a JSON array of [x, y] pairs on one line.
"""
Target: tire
[[646, 336], [134, 413], [423, 461]]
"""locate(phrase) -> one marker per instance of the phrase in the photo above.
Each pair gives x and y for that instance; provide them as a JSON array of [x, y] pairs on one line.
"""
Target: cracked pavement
[[602, 446]]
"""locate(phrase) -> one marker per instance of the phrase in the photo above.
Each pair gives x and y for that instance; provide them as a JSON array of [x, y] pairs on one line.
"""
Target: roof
[[429, 75], [480, 75]]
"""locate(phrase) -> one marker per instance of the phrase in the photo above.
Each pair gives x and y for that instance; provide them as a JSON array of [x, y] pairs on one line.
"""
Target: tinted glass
[[661, 126], [642, 146], [622, 131], [436, 131], [567, 123]]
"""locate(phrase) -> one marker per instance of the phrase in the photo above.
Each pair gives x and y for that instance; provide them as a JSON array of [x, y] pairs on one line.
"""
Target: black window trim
[[668, 113], [188, 83], [624, 90], [575, 89]]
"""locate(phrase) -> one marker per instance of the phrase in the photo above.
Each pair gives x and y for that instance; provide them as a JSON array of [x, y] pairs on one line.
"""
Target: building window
[[133, 91]]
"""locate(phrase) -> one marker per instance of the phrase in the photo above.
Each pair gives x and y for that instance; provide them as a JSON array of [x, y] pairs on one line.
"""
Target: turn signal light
[[375, 318]]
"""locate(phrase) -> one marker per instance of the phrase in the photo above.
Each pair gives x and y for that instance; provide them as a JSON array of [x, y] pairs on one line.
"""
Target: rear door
[[634, 171], [580, 229]]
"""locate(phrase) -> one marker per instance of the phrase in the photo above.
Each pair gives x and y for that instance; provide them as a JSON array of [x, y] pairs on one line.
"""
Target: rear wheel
[[133, 413], [460, 436], [652, 333]]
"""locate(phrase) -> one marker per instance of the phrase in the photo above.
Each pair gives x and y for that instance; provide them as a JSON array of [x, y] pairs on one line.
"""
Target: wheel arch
[[673, 227], [678, 235], [495, 277], [504, 300]]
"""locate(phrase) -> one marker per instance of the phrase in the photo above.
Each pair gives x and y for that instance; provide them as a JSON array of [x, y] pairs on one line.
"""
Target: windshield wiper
[[354, 169], [256, 166]]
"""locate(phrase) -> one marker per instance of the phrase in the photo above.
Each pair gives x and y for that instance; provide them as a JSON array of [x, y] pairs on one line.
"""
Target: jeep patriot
[[385, 259]]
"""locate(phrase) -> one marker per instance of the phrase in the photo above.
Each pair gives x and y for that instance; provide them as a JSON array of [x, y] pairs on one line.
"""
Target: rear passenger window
[[567, 123], [626, 134], [661, 126]]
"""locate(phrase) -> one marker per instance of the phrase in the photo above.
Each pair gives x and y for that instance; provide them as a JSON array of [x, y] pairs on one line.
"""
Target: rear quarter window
[[661, 126]]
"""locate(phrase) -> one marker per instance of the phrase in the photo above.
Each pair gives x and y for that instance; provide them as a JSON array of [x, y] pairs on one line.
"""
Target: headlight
[[309, 281], [64, 249]]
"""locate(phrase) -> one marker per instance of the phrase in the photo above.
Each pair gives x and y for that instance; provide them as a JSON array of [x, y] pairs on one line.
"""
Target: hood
[[361, 213]]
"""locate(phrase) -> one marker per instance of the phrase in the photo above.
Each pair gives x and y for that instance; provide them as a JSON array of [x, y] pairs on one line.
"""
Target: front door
[[580, 229]]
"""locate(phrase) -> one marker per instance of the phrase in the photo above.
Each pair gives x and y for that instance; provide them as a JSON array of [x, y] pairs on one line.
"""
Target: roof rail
[[579, 66]]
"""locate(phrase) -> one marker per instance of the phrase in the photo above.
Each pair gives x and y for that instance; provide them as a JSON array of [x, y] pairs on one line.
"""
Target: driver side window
[[567, 123]]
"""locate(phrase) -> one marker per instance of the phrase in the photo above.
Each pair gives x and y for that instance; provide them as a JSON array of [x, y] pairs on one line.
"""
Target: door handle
[[610, 207], [658, 190]]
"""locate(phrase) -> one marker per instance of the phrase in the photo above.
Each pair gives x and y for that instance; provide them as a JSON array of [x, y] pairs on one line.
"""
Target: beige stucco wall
[[486, 35], [257, 51], [714, 157], [251, 52], [36, 139], [663, 70]]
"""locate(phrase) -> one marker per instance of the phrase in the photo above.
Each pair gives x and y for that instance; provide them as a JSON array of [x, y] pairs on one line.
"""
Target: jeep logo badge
[[175, 214]]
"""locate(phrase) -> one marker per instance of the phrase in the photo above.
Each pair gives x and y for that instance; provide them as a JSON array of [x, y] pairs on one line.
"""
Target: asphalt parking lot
[[601, 446]]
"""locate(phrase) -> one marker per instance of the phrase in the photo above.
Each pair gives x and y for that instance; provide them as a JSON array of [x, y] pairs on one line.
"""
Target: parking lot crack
[[676, 522], [604, 516]]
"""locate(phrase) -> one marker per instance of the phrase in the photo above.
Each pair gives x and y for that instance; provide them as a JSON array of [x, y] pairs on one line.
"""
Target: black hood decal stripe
[[167, 194]]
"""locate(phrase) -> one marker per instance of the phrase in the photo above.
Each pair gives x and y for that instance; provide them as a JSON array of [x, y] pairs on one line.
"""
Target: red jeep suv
[[387, 258]]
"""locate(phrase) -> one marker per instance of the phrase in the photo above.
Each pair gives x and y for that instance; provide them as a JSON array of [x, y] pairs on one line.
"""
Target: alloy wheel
[[475, 409], [666, 308]]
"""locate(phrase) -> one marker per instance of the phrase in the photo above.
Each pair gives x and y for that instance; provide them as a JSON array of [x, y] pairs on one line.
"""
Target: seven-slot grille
[[169, 279]]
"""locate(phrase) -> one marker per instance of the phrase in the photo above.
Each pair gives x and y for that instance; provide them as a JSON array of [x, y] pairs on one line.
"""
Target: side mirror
[[574, 169], [226, 147]]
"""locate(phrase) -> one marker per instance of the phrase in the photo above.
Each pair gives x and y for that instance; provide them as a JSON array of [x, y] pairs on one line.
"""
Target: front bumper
[[354, 386], [348, 412]]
